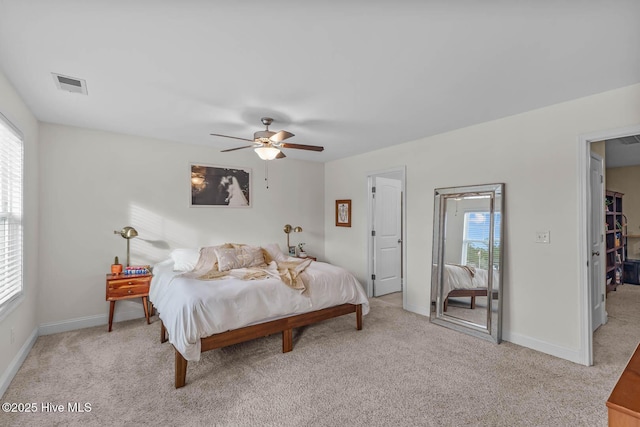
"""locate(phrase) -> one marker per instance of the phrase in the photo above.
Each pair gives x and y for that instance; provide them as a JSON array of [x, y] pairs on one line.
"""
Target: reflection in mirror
[[467, 259]]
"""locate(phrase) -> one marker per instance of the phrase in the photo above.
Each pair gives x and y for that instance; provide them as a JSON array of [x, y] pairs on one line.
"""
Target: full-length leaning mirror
[[467, 267]]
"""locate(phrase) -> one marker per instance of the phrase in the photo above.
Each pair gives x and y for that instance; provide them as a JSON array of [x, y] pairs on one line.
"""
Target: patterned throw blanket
[[471, 270], [289, 272]]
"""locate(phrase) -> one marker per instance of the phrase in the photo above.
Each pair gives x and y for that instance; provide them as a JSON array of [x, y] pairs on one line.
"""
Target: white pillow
[[275, 253], [185, 259]]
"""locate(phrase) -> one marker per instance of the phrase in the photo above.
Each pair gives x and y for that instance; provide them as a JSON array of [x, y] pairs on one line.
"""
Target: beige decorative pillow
[[240, 256], [208, 260]]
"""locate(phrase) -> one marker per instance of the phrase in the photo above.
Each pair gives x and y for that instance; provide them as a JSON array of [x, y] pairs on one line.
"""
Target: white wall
[[536, 154], [23, 318], [95, 182]]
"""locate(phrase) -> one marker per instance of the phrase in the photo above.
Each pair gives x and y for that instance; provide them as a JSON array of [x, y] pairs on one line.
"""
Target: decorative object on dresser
[[301, 252], [120, 287], [616, 239], [343, 213], [127, 233], [623, 405], [116, 267]]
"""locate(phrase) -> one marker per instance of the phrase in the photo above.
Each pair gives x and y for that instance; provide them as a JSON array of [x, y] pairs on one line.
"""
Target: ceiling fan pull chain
[[266, 173]]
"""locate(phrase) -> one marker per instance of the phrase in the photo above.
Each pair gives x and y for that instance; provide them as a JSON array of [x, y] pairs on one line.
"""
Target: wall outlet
[[542, 236], [13, 336]]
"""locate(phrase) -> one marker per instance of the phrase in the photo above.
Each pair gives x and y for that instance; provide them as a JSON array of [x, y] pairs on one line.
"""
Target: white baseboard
[[125, 310], [571, 355], [17, 361]]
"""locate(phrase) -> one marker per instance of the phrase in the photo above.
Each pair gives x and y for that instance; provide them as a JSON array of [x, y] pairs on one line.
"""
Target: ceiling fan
[[268, 144]]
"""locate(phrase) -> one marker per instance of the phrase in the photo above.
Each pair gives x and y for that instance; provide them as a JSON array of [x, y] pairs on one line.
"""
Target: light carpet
[[399, 370]]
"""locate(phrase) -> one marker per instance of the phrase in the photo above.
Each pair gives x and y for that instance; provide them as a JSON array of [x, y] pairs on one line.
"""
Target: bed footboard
[[284, 325], [473, 293]]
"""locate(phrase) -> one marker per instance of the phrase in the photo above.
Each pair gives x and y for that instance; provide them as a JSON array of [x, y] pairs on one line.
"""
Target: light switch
[[542, 236]]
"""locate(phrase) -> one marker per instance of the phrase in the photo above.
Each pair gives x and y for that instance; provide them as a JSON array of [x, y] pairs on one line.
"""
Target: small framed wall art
[[343, 213]]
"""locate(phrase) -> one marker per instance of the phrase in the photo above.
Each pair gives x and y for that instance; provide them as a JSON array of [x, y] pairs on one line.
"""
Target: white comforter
[[191, 309], [456, 277]]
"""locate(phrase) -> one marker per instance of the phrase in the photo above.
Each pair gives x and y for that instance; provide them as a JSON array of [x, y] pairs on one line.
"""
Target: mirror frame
[[438, 316]]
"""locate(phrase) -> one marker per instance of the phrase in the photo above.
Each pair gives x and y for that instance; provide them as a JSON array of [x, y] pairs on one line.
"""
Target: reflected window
[[475, 243]]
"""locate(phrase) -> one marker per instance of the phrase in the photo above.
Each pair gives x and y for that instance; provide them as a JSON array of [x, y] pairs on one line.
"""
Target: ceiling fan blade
[[281, 155], [237, 148], [281, 136], [234, 137], [302, 147]]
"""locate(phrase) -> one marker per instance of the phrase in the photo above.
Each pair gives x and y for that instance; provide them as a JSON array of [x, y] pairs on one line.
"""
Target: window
[[475, 243], [11, 166]]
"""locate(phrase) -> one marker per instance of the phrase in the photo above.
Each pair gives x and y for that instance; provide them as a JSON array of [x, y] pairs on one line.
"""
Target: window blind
[[11, 169]]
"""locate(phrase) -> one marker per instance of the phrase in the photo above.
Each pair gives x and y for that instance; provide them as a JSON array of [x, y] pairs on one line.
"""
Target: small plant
[[116, 267], [301, 247]]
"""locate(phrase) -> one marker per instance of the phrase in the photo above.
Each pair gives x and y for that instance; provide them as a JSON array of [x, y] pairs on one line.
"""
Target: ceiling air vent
[[70, 84], [628, 140]]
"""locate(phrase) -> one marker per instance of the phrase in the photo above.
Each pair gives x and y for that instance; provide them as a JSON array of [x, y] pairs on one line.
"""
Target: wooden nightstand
[[121, 286]]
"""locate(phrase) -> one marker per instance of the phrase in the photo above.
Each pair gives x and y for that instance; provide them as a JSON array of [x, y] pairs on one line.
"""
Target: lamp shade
[[288, 229], [128, 232], [267, 153]]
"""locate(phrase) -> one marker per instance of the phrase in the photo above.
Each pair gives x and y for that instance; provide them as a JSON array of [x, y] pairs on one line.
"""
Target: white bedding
[[456, 277], [191, 309]]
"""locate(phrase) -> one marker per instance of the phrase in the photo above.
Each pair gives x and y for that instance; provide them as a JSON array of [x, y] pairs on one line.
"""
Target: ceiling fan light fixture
[[267, 153]]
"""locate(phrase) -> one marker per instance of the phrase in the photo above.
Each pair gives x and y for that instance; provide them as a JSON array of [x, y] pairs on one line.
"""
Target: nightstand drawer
[[136, 290], [128, 287], [120, 287], [133, 281]]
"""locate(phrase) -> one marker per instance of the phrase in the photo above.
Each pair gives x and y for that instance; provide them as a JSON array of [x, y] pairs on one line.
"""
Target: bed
[[466, 281], [240, 304]]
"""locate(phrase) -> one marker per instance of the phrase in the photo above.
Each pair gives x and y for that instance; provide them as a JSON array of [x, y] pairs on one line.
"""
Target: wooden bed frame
[[473, 293], [284, 325]]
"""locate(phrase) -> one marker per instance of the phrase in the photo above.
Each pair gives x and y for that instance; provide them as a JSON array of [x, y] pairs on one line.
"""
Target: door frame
[[584, 226], [602, 246], [402, 171]]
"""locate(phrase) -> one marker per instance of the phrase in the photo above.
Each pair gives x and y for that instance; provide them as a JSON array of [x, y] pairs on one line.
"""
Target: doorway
[[386, 246], [591, 224]]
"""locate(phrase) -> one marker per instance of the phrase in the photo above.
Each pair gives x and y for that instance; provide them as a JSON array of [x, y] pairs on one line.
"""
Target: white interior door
[[387, 239], [597, 283]]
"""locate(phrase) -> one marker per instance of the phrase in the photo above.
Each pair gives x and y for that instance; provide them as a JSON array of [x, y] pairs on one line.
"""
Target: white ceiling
[[621, 152], [352, 76]]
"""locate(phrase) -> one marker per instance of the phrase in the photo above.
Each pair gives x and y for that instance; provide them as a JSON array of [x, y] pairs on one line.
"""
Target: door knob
[[399, 240], [594, 253]]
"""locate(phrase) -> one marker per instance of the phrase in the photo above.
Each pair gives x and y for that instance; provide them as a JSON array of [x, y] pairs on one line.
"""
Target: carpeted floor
[[399, 370]]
